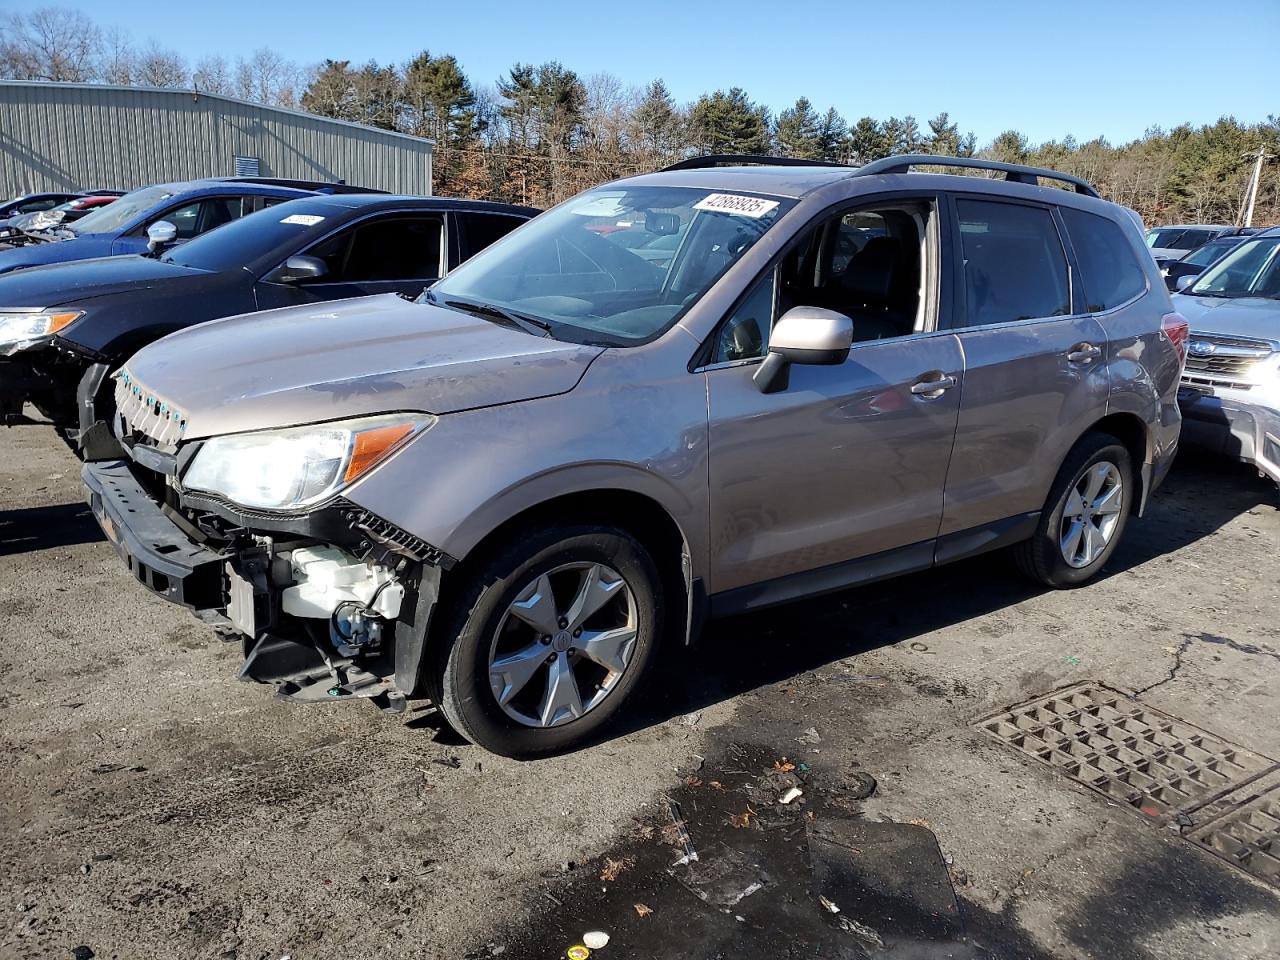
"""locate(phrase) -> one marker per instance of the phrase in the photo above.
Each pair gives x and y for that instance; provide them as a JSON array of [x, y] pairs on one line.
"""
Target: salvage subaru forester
[[686, 394]]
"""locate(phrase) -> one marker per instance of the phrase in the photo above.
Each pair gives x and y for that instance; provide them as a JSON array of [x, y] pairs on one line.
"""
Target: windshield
[[617, 265], [1203, 256], [1177, 238], [113, 216], [240, 242], [1250, 270]]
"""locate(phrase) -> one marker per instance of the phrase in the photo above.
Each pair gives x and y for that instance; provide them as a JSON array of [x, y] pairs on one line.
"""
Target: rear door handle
[[1084, 353], [933, 388]]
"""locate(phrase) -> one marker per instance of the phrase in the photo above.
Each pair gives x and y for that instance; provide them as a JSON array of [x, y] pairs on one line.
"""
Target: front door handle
[[934, 387], [1084, 353]]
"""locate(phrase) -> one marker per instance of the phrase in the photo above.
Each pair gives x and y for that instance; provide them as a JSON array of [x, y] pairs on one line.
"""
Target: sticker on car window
[[306, 219], [601, 205], [735, 204]]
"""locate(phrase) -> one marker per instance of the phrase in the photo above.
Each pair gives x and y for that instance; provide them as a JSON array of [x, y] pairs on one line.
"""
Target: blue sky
[[1086, 68]]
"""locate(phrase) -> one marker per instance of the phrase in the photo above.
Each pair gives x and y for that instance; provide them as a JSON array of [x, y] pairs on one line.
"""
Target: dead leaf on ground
[[919, 822], [715, 784], [693, 782], [784, 765], [643, 910], [742, 820], [613, 868]]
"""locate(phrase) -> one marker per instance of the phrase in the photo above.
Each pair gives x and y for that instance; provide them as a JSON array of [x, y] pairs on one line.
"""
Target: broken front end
[[328, 601]]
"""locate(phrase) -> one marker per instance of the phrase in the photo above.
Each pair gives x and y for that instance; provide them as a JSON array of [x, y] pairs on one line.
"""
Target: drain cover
[[1222, 797]]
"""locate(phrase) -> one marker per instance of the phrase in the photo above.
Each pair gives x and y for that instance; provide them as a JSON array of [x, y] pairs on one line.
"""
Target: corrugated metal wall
[[56, 136]]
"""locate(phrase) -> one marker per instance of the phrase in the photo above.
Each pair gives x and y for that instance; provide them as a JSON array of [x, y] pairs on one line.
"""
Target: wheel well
[[634, 513], [1132, 432]]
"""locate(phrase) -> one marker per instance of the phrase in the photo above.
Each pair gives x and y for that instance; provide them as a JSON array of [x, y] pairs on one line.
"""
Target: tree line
[[541, 132]]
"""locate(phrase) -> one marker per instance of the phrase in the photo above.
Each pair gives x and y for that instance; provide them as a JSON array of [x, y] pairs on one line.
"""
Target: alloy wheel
[[1092, 513], [563, 644]]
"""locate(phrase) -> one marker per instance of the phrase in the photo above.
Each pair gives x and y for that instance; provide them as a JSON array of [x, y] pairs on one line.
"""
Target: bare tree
[[157, 67], [212, 75], [117, 58], [267, 77], [52, 43]]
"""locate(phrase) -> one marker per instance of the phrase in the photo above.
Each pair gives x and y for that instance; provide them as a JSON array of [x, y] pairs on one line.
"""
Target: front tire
[[1084, 517], [553, 634]]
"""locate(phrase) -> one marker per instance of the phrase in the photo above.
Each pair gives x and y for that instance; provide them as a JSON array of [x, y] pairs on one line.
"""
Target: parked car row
[[677, 396]]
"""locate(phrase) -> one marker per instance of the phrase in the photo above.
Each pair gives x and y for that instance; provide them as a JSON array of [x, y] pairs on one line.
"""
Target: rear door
[[1034, 373], [476, 230], [392, 253]]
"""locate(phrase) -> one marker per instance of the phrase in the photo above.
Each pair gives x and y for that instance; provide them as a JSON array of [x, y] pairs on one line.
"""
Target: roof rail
[[745, 159], [320, 186], [1014, 172]]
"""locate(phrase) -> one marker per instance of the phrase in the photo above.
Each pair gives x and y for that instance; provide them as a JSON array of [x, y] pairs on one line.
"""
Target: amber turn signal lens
[[372, 445], [59, 320]]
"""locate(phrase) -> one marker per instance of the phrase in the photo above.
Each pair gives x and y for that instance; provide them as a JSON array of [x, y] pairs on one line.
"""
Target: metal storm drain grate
[[1222, 797]]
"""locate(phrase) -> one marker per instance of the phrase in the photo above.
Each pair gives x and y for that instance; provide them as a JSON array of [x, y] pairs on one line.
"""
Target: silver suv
[[688, 394], [1231, 386]]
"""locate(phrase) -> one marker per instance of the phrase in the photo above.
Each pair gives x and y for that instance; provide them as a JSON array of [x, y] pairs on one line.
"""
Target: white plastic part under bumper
[[327, 576]]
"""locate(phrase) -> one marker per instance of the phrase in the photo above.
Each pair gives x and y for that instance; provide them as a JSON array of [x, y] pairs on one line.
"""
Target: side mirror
[[160, 234], [803, 335], [301, 269], [1183, 282]]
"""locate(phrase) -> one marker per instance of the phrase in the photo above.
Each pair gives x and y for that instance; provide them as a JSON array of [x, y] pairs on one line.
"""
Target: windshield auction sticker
[[307, 220], [737, 205]]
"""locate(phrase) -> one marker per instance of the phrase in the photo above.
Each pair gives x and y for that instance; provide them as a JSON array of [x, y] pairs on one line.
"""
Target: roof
[[1195, 226], [789, 181], [376, 201], [197, 94]]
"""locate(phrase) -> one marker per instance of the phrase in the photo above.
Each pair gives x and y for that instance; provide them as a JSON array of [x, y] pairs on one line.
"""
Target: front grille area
[[1217, 360], [145, 413]]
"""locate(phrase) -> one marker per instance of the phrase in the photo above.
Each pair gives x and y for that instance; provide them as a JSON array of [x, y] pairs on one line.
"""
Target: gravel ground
[[153, 805]]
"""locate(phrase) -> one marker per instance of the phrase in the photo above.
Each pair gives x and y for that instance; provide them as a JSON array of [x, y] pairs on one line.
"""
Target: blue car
[[193, 207]]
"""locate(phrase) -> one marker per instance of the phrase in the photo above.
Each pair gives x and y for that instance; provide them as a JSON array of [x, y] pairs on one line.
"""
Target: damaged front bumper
[[328, 605], [1245, 431]]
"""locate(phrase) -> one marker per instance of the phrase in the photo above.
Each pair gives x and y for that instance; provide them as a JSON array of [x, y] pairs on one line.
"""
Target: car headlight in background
[[19, 329], [298, 466]]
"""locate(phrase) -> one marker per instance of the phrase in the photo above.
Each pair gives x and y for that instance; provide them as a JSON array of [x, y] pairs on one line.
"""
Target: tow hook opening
[[318, 623]]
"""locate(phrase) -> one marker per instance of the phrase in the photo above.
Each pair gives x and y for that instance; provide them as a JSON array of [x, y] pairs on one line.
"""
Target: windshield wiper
[[501, 313]]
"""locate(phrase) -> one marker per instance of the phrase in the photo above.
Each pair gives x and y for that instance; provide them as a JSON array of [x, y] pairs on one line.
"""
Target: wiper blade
[[502, 313]]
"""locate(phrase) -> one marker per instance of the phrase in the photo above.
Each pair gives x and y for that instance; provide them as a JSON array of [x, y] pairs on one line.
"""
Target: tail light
[[1177, 331]]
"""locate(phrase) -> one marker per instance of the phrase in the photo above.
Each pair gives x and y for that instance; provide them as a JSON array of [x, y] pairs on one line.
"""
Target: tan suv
[[697, 392]]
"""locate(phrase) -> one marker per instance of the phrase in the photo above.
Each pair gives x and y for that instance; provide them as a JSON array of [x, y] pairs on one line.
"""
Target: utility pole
[[1251, 195]]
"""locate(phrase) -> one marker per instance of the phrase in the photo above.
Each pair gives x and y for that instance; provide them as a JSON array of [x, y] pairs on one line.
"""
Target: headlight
[[287, 469], [19, 329]]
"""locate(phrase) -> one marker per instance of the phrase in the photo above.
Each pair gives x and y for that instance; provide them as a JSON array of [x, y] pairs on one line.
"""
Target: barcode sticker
[[736, 204]]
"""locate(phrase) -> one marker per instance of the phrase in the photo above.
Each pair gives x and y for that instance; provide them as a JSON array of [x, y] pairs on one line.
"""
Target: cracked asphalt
[[153, 805]]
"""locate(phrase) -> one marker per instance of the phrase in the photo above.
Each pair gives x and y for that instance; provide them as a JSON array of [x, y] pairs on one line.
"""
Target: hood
[[56, 251], [60, 283], [1256, 317], [347, 358]]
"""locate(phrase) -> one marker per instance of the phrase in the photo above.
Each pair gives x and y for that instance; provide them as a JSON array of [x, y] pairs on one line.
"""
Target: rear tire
[[518, 635], [1084, 517]]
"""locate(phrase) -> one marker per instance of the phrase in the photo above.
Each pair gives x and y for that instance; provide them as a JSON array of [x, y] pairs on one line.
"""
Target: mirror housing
[[809, 335], [1185, 281], [160, 234], [300, 269]]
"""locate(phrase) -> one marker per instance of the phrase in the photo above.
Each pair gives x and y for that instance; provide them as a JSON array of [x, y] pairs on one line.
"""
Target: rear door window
[[1014, 264], [481, 229], [1109, 268]]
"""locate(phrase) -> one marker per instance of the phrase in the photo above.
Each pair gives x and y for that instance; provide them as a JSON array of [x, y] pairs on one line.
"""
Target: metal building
[[76, 136]]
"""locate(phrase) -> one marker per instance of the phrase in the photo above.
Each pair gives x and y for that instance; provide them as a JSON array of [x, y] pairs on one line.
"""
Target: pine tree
[[729, 123], [797, 131]]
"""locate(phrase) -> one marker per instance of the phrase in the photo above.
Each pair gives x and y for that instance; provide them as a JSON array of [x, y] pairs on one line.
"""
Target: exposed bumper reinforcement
[[159, 554]]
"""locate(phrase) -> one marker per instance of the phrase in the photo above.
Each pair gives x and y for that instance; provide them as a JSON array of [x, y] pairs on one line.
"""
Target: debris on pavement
[[792, 794], [613, 869], [595, 939], [723, 879], [578, 951], [82, 952], [859, 785], [642, 910], [680, 834], [809, 736]]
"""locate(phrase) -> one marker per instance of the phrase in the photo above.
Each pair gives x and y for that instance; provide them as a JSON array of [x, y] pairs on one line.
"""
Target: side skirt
[[878, 566]]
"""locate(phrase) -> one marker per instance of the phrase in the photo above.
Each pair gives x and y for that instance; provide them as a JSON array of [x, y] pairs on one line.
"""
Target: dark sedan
[[65, 327]]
